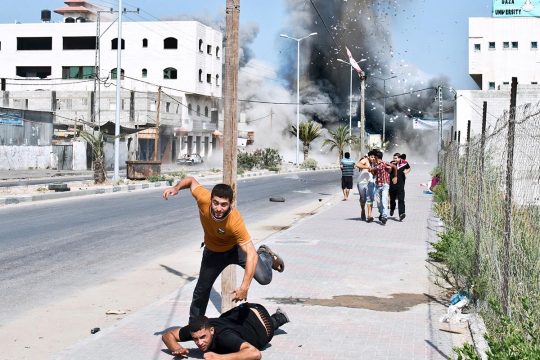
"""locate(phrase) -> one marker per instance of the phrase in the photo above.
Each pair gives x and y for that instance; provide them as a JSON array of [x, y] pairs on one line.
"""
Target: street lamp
[[297, 87], [384, 105], [350, 97]]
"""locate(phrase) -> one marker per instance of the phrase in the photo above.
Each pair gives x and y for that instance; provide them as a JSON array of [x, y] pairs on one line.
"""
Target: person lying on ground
[[242, 332]]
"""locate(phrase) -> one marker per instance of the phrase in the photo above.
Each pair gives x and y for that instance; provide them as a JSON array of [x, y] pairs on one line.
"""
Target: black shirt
[[401, 167], [232, 329]]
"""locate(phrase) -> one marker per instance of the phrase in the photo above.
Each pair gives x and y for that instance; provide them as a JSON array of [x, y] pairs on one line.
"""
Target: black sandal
[[277, 261]]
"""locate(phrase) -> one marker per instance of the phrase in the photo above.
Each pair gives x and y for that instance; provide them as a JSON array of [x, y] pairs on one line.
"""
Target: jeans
[[213, 263], [381, 192], [367, 192]]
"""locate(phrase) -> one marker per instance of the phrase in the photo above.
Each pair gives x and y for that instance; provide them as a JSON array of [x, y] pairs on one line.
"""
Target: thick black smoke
[[362, 26]]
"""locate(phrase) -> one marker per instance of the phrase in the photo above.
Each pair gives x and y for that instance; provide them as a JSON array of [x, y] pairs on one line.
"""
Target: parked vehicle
[[192, 159]]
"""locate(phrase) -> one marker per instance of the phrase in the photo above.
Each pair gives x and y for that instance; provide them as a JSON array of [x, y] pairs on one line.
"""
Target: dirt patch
[[395, 303], [276, 227]]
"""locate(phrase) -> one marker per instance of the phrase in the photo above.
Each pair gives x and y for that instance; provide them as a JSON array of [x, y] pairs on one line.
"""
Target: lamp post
[[384, 105], [297, 87], [350, 99]]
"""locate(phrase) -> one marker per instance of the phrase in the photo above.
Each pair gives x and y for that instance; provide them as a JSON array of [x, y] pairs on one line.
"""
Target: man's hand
[[240, 294], [169, 192], [394, 180], [180, 351]]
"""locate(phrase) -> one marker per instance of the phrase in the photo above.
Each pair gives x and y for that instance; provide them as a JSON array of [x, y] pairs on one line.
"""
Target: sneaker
[[369, 219], [279, 318], [383, 221], [363, 217], [401, 217], [277, 262], [391, 212], [380, 217]]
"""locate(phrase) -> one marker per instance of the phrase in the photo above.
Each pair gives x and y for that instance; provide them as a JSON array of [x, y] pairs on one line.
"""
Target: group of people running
[[379, 181]]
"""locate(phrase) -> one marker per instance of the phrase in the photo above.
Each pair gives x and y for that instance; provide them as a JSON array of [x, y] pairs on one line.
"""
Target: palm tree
[[339, 138], [95, 140], [309, 131]]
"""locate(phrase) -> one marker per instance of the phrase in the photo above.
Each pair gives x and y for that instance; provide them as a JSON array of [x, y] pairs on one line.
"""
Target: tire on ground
[[277, 199]]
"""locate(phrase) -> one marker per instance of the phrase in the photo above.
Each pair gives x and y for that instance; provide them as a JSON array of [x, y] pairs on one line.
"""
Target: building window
[[200, 45], [514, 44], [217, 52], [506, 45], [534, 45], [476, 47], [79, 42], [198, 110], [144, 43], [209, 49], [144, 73], [506, 83], [170, 43], [209, 78], [167, 106], [189, 109], [77, 72], [170, 73], [206, 111], [492, 45], [217, 80], [114, 44], [113, 74], [491, 85], [200, 75], [34, 43], [33, 71]]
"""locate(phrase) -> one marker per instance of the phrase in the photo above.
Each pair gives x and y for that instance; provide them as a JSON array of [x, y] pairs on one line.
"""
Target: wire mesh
[[475, 174]]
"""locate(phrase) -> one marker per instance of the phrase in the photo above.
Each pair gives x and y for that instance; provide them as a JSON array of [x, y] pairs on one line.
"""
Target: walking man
[[366, 187], [381, 172], [226, 242], [242, 332], [397, 191], [347, 172]]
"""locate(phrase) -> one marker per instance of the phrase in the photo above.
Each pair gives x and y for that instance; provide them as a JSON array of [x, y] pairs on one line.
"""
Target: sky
[[430, 34]]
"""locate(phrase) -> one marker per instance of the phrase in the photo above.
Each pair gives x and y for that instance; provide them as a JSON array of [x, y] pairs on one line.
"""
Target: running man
[[347, 172], [366, 187], [381, 173], [226, 242], [397, 191], [241, 332]]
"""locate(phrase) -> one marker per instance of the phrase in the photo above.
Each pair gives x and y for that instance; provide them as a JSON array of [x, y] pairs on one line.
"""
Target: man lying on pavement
[[241, 332]]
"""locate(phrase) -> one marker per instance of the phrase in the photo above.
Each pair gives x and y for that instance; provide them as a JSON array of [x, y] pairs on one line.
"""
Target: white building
[[51, 66], [499, 49]]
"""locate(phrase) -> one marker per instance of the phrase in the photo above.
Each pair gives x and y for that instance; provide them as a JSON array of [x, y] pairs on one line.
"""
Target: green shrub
[[261, 159], [246, 161], [178, 174], [156, 178], [309, 164], [511, 338]]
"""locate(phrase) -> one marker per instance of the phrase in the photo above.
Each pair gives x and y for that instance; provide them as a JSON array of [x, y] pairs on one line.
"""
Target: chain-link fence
[[493, 183]]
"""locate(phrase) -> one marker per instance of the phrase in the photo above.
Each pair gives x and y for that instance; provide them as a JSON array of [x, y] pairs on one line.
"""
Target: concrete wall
[[25, 157], [79, 155], [109, 155]]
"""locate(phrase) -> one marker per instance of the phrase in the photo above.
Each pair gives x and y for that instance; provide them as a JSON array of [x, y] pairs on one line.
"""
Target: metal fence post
[[508, 199], [480, 189]]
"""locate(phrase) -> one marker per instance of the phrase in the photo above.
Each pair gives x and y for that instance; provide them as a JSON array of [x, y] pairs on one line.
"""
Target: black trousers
[[213, 263], [397, 192]]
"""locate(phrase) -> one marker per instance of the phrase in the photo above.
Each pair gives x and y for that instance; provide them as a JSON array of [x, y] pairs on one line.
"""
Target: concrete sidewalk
[[352, 290]]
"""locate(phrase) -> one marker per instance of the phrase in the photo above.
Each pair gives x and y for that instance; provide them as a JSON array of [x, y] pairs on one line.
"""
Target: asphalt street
[[56, 248]]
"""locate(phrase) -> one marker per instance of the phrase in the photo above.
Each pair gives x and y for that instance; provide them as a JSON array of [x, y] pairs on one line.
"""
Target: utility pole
[[156, 139], [440, 127], [230, 129], [362, 114]]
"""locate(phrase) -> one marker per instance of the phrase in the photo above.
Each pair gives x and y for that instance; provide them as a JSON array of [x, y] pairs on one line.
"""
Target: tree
[[339, 138], [95, 140], [309, 131]]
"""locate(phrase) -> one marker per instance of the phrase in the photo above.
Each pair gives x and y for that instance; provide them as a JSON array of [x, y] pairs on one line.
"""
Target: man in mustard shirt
[[226, 242]]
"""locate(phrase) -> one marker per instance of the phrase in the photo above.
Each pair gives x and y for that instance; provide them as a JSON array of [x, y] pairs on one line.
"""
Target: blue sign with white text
[[513, 8]]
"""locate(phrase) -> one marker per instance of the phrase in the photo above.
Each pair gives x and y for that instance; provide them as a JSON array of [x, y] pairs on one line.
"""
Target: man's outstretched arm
[[247, 352], [171, 339], [185, 183]]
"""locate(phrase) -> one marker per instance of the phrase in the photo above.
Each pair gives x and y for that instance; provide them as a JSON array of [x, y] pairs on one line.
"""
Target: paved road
[[58, 247]]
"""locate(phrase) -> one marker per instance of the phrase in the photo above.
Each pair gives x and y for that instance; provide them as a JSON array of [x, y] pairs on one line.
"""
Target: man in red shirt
[[226, 242], [381, 173]]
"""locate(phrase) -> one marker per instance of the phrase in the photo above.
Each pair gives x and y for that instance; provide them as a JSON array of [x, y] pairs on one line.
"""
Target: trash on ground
[[94, 330], [115, 312]]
